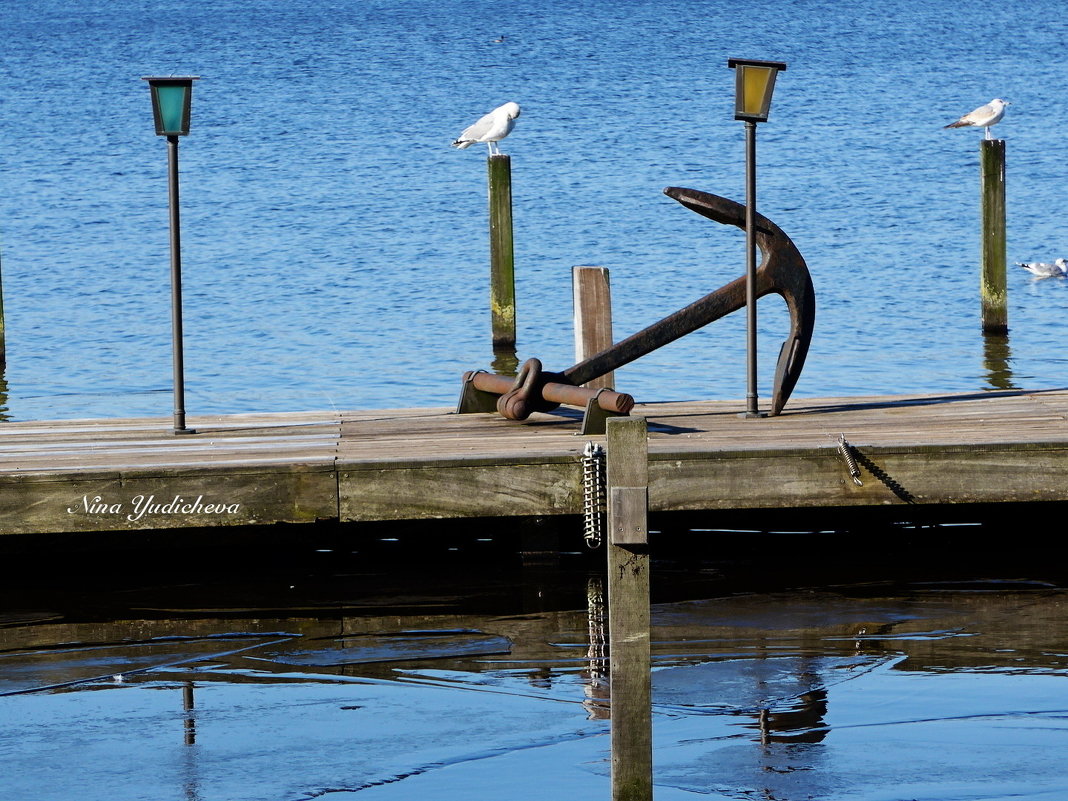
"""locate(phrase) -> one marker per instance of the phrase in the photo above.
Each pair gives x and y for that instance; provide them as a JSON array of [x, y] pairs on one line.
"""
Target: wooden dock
[[134, 474]]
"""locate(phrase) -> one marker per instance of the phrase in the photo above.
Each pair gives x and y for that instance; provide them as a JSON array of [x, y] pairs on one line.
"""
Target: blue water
[[866, 692], [335, 246]]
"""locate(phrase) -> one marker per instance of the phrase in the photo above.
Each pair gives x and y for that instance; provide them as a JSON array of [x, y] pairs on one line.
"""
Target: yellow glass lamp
[[754, 85]]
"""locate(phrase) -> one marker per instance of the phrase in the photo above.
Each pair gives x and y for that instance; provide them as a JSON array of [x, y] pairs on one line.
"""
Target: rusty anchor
[[782, 271]]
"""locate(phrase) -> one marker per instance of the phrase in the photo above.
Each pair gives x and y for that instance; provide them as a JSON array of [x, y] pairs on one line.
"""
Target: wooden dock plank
[[169, 498], [430, 463]]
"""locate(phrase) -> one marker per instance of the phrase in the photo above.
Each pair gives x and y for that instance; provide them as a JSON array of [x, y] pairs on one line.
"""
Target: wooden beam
[[592, 293], [628, 609], [438, 490]]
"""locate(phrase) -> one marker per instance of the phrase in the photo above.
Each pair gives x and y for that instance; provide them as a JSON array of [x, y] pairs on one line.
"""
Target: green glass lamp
[[171, 101]]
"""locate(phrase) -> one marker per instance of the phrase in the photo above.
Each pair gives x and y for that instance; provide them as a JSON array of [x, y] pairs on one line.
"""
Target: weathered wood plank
[[486, 490], [807, 478], [591, 292], [141, 500]]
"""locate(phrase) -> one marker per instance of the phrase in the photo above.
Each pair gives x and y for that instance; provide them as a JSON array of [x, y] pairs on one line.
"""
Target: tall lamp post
[[754, 82], [171, 101]]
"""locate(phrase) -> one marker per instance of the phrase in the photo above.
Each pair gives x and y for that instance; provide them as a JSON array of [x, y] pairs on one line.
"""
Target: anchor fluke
[[782, 271]]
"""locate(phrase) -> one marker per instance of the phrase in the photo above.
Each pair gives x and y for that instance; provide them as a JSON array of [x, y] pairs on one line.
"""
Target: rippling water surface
[[459, 683], [335, 247]]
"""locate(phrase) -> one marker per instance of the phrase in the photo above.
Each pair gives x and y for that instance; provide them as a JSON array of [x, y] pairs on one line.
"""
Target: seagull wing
[[1040, 268], [476, 132], [980, 115], [984, 115]]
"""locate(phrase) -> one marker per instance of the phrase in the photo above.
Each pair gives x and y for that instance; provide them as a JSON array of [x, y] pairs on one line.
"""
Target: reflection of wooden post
[[190, 721], [993, 294], [502, 256], [628, 609], [593, 317]]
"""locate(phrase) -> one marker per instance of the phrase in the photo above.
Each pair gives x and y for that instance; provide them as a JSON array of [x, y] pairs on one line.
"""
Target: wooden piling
[[992, 291], [502, 256], [592, 294], [3, 341], [628, 609]]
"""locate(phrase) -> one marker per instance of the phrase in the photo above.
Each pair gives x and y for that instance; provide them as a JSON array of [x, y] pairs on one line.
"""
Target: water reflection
[[597, 686], [441, 695], [997, 361], [799, 722], [505, 361], [190, 719]]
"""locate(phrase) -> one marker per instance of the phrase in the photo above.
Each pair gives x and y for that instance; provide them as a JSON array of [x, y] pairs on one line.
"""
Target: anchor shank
[[698, 314]]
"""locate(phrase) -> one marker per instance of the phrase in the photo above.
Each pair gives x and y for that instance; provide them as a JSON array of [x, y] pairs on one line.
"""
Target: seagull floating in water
[[1041, 269], [491, 128], [982, 117]]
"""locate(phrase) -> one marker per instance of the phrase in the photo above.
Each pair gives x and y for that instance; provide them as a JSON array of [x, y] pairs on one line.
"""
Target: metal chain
[[846, 451], [593, 494]]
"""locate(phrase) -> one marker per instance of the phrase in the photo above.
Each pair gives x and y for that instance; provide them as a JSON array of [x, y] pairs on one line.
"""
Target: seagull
[[491, 129], [1040, 269], [982, 117]]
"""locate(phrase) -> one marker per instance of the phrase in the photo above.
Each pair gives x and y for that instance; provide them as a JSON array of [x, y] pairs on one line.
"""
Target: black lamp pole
[[751, 407], [754, 85], [171, 100], [176, 290]]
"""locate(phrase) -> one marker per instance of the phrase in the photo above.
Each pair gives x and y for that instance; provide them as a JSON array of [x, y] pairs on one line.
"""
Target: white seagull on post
[[491, 128], [982, 117]]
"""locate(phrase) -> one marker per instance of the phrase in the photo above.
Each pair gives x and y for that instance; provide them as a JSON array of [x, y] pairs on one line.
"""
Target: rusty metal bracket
[[782, 271], [473, 400], [595, 420]]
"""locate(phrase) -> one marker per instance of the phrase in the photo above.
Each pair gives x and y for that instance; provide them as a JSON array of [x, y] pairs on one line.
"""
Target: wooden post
[[592, 294], [993, 294], [502, 256], [628, 609], [3, 341]]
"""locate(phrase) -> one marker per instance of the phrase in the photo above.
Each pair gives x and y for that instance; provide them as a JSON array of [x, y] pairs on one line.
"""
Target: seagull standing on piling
[[1040, 269], [982, 117], [491, 128]]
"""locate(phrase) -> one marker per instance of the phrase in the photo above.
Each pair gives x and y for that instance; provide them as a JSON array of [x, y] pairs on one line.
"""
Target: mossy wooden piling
[[628, 609], [3, 340], [502, 252], [993, 292]]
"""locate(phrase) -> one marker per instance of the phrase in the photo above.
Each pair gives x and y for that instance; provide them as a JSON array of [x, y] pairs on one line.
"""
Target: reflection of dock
[[428, 463]]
